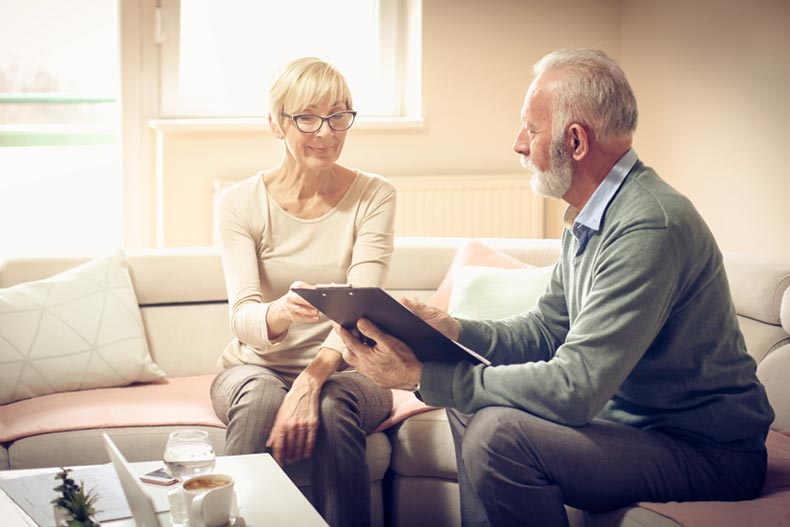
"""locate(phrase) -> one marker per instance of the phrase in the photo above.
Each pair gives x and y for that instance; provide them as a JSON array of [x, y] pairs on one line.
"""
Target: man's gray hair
[[594, 92]]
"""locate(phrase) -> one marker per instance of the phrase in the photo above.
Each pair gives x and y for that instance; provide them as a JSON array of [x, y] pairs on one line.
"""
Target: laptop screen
[[140, 502]]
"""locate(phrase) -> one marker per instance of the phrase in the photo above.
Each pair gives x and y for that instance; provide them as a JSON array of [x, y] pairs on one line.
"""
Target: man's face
[[542, 154]]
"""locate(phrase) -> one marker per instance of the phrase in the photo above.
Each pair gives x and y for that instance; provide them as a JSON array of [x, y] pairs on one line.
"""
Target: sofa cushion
[[491, 293], [761, 338], [422, 446], [757, 286], [176, 401], [773, 372], [77, 330], [476, 253], [86, 447], [404, 405]]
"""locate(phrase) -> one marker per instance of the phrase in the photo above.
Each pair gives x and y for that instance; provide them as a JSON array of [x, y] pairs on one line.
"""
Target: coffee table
[[264, 494]]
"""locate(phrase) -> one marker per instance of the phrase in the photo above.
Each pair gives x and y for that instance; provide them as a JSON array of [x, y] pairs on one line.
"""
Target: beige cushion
[[773, 372], [166, 276], [422, 445], [757, 286], [761, 338], [77, 330]]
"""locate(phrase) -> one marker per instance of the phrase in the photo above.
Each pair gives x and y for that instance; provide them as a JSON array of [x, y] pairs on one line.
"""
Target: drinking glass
[[188, 453]]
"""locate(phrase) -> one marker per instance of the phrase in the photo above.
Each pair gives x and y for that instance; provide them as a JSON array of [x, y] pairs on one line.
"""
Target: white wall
[[712, 78]]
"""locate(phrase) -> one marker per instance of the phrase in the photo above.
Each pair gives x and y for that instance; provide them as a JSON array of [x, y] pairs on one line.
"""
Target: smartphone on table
[[159, 477]]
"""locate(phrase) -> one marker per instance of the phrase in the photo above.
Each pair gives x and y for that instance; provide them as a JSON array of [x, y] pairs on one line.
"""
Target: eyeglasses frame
[[323, 120]]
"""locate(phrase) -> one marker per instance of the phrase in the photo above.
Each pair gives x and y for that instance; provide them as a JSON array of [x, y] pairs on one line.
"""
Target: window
[[60, 176], [217, 58]]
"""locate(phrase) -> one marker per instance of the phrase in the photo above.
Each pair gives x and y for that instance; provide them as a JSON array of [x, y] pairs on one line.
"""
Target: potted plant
[[74, 507]]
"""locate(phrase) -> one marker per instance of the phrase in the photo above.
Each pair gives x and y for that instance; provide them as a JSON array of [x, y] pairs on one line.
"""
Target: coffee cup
[[207, 500]]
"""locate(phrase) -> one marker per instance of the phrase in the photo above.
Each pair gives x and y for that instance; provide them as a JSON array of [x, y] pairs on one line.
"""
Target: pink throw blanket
[[176, 401]]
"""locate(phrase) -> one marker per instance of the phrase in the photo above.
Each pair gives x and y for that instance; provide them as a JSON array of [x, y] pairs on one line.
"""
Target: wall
[[711, 78]]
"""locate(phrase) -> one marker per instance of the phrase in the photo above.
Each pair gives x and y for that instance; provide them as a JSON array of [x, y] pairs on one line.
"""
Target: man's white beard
[[552, 183]]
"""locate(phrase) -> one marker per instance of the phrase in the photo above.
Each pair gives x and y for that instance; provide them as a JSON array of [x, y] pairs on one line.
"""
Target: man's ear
[[578, 141], [275, 128]]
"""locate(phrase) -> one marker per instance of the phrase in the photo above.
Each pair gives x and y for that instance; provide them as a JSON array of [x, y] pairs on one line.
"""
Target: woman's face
[[316, 150]]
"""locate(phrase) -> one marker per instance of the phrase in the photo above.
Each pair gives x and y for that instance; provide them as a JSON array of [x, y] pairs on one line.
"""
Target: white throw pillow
[[77, 330], [493, 293]]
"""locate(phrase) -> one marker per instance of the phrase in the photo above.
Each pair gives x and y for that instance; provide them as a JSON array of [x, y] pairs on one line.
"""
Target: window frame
[[54, 134], [401, 29]]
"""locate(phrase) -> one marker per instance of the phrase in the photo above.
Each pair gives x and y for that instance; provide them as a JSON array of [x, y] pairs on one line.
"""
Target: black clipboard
[[347, 304]]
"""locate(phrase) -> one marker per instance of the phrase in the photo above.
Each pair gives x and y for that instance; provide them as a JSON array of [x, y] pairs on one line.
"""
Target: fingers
[[303, 442], [297, 309], [414, 304], [292, 443], [294, 432], [275, 443], [423, 310], [312, 433], [371, 331], [298, 440], [350, 341]]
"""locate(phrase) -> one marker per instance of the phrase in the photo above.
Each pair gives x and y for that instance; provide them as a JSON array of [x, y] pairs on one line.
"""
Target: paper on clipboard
[[347, 304]]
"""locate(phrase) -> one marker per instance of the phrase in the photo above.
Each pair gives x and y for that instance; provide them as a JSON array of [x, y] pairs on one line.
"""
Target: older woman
[[307, 220]]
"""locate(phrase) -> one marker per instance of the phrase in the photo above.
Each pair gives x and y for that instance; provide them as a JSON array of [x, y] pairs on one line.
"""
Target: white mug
[[204, 501]]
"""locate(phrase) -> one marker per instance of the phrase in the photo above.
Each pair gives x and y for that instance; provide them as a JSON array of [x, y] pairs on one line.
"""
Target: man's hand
[[390, 363], [441, 321]]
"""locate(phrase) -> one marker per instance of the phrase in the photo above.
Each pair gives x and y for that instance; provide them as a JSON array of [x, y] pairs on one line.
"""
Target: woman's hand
[[293, 436], [296, 425], [287, 309], [440, 320]]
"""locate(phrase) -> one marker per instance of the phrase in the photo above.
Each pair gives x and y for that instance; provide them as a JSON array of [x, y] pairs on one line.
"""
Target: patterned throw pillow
[[77, 330]]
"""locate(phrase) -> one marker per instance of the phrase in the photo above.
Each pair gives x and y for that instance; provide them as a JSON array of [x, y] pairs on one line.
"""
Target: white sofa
[[183, 303]]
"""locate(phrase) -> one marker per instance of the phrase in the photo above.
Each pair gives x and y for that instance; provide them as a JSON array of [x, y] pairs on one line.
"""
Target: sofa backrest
[[183, 301]]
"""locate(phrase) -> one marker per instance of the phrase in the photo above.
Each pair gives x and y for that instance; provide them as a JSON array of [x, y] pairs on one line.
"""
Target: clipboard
[[347, 304]]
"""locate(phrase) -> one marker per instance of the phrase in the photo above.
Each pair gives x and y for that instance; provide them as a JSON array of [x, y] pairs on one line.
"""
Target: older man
[[630, 379]]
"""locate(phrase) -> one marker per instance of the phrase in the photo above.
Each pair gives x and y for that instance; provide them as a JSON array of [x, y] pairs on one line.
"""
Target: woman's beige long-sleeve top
[[265, 249]]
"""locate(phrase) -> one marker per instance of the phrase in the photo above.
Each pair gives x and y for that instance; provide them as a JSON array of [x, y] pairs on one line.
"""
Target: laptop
[[140, 502]]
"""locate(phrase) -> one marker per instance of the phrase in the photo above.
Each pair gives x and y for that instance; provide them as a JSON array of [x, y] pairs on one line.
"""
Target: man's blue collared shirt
[[589, 219]]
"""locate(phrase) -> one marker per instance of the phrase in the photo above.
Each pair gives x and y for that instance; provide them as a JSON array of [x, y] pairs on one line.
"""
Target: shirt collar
[[584, 223], [592, 213]]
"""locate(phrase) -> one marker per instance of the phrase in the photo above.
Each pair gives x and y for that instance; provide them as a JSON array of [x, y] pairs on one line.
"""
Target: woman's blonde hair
[[303, 82]]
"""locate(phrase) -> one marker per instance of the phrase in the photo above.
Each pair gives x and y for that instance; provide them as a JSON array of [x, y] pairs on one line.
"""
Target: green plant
[[75, 501]]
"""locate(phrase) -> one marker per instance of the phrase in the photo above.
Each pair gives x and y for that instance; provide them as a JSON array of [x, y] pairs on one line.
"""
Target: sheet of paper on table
[[34, 494]]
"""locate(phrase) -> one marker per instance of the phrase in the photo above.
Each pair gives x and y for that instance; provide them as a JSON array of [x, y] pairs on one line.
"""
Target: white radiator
[[500, 206], [485, 205]]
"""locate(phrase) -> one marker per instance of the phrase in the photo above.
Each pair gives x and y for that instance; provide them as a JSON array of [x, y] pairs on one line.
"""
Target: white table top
[[265, 495]]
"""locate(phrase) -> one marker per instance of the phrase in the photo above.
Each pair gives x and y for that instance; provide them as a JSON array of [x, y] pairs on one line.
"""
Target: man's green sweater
[[639, 329]]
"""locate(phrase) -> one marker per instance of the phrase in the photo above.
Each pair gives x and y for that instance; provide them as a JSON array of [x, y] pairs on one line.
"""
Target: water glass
[[189, 453]]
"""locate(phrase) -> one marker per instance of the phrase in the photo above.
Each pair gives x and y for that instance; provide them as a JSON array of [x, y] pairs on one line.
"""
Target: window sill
[[259, 124], [55, 135]]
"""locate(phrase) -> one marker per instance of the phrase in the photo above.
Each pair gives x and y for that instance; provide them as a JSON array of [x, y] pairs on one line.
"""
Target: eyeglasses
[[310, 124]]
